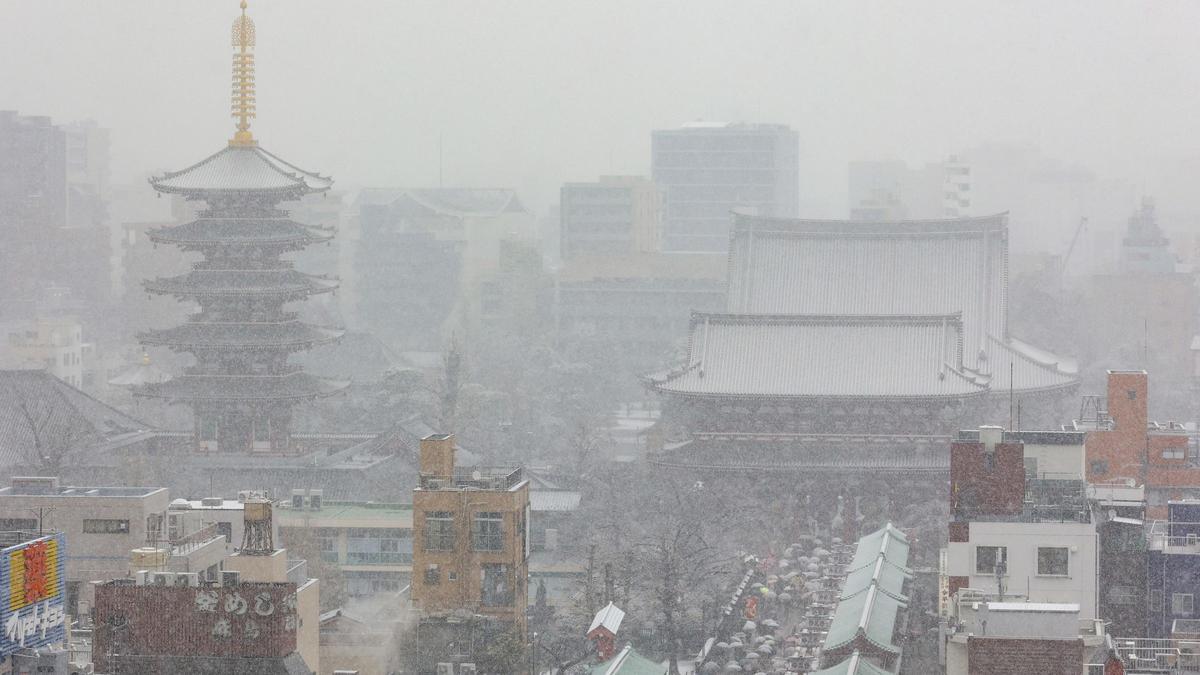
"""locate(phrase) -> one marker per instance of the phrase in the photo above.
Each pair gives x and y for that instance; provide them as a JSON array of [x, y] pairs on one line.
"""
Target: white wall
[[1059, 461], [1022, 541]]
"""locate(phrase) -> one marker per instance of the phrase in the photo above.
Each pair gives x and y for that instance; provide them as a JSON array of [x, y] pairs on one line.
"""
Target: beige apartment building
[[110, 531]]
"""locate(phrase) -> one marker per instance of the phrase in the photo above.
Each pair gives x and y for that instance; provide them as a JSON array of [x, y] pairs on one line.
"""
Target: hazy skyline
[[531, 94]]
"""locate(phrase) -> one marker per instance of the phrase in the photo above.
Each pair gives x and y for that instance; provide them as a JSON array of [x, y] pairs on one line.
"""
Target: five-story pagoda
[[242, 387]]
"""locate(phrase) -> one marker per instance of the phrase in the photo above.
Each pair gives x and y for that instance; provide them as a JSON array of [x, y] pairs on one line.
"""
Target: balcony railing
[[1159, 655]]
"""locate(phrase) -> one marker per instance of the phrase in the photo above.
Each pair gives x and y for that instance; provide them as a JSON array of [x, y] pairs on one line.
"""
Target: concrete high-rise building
[[617, 215], [707, 169]]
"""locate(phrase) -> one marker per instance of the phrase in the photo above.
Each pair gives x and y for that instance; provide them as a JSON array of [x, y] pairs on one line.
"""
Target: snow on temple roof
[[823, 356], [923, 267], [609, 617], [445, 201], [241, 334], [292, 386], [65, 409], [787, 266], [239, 231], [240, 169]]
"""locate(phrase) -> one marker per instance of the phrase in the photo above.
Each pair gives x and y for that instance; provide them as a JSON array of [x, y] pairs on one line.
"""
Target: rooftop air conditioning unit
[[298, 499], [164, 579], [46, 483], [212, 501], [230, 578], [140, 577], [187, 579], [465, 668], [314, 499], [445, 669]]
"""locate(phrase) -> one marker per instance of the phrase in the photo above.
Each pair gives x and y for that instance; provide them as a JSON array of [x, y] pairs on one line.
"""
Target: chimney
[[1128, 394], [991, 436], [437, 456]]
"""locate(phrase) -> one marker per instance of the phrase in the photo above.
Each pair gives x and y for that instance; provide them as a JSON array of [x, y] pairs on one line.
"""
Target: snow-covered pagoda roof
[[293, 386], [239, 169], [241, 334], [282, 232], [271, 282], [808, 356]]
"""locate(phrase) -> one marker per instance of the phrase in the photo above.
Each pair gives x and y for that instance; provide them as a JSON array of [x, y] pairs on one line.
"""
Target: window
[[378, 545], [1122, 595], [1156, 600], [495, 589], [12, 524], [154, 527], [262, 430], [487, 531], [208, 428], [433, 575], [439, 531], [105, 526], [1031, 467], [226, 530], [1181, 604], [1173, 452], [988, 558], [1053, 561]]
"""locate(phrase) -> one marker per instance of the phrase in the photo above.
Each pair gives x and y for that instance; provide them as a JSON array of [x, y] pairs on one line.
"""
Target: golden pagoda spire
[[243, 78]]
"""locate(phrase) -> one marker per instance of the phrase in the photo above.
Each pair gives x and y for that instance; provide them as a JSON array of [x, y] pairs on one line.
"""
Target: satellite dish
[[475, 475]]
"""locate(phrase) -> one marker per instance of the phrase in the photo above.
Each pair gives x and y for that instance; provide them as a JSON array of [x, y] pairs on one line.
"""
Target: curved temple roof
[[242, 335], [281, 232], [242, 169], [780, 266], [277, 282], [294, 386], [892, 357]]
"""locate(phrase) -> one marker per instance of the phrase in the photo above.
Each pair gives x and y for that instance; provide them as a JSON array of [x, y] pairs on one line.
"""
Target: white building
[[1022, 524], [1052, 562], [707, 169]]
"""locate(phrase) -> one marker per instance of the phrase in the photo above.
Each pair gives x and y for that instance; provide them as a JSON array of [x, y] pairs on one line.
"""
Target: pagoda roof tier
[[241, 169], [295, 386], [281, 232], [274, 282], [246, 335]]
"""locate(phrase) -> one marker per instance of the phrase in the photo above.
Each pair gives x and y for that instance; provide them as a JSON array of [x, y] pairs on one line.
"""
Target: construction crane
[[1062, 269]]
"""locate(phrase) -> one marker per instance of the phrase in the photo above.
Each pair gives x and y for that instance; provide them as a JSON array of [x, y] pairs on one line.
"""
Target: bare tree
[[676, 557], [57, 430]]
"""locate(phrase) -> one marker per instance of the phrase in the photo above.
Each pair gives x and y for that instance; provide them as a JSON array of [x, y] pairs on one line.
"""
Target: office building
[[708, 169], [614, 216]]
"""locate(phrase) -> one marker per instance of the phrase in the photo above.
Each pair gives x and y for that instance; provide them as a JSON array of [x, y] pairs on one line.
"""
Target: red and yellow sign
[[33, 574]]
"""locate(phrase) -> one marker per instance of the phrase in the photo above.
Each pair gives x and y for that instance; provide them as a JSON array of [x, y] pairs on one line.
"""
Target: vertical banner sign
[[33, 594]]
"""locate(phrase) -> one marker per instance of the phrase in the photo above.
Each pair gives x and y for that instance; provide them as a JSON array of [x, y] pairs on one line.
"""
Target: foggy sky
[[532, 93]]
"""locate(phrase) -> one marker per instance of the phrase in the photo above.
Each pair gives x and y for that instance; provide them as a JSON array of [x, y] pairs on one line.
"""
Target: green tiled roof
[[888, 577], [628, 662], [855, 665], [870, 615], [886, 541]]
